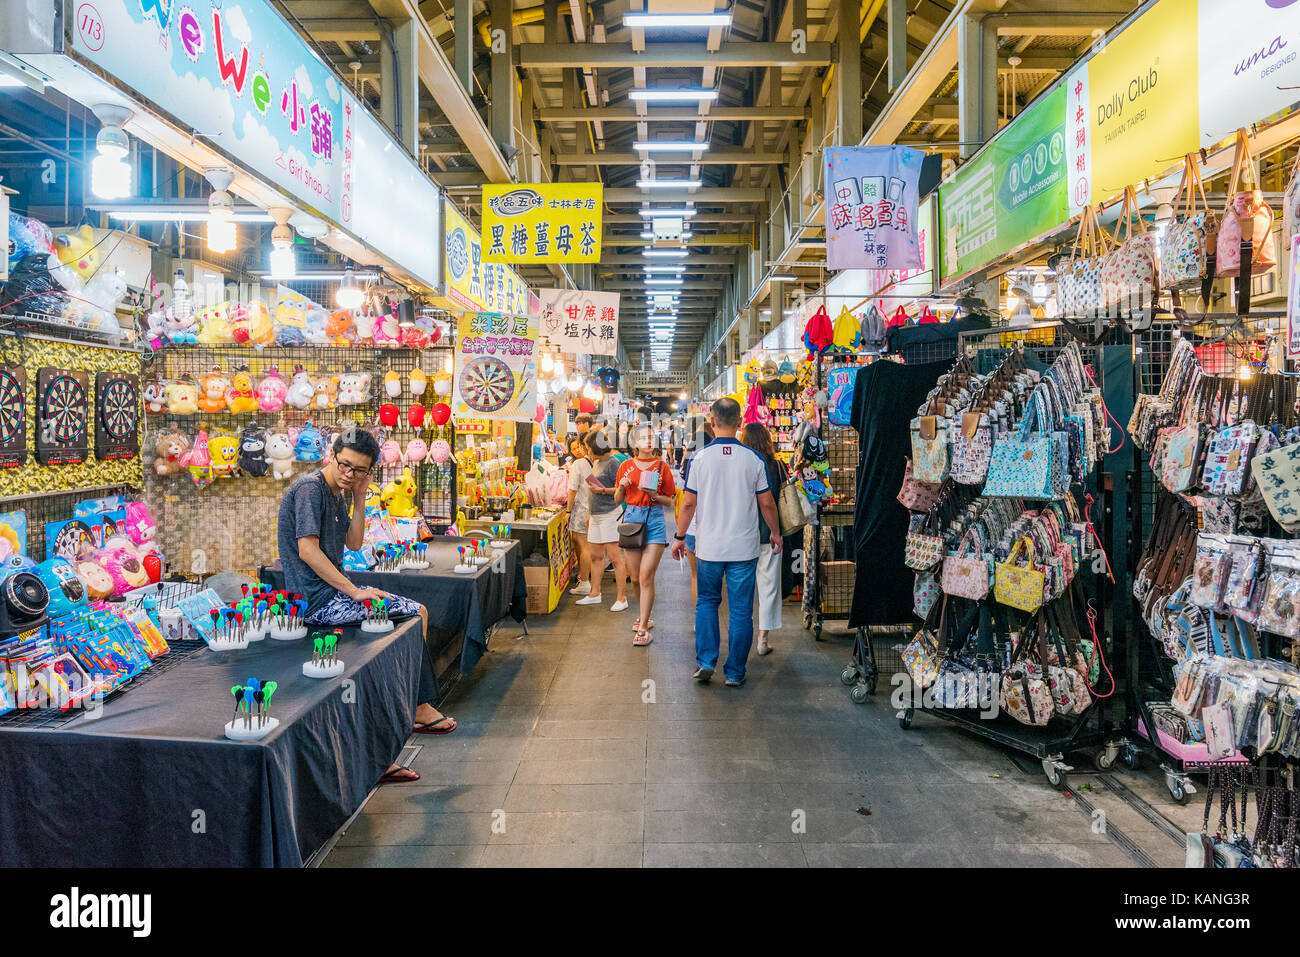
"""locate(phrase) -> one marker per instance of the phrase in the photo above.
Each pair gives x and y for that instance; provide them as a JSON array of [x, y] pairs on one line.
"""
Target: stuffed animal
[[271, 392], [309, 444], [354, 388], [390, 453], [214, 325], [327, 390], [98, 582], [179, 324], [250, 324], [239, 397], [124, 567], [388, 332], [439, 452], [77, 251], [365, 323], [155, 397], [212, 391], [199, 461], [442, 383], [279, 455], [172, 447], [182, 398], [140, 527], [399, 496], [419, 382], [28, 236], [252, 450], [302, 391], [373, 500], [290, 326], [314, 325], [392, 384], [416, 450], [340, 328], [223, 447]]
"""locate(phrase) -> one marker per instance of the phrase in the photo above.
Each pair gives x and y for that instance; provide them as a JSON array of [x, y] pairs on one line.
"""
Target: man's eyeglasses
[[346, 469]]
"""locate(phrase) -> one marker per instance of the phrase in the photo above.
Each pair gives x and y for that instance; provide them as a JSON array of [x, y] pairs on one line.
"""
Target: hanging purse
[[925, 592], [1188, 247], [923, 547], [1079, 280], [1245, 245], [966, 574], [930, 449], [1025, 694], [790, 509], [1025, 463], [922, 655], [1128, 272], [1019, 586], [917, 496]]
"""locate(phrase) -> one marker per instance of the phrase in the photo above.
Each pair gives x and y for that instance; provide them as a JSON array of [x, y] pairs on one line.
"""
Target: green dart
[[316, 644]]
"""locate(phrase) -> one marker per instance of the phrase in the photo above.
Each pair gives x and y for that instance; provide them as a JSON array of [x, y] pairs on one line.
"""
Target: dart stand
[[314, 669], [324, 661], [465, 566], [252, 722], [376, 621], [236, 731], [296, 624]]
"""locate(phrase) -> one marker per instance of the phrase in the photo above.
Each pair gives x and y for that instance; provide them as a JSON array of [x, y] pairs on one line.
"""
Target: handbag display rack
[[1007, 623]]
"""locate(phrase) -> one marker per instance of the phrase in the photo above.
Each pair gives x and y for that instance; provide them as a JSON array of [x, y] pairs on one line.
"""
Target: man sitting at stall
[[314, 529]]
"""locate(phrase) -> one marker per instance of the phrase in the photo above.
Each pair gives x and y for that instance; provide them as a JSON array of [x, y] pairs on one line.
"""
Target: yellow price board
[[542, 223]]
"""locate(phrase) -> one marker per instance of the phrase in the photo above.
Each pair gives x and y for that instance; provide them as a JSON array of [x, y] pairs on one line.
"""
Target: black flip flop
[[397, 777], [430, 726]]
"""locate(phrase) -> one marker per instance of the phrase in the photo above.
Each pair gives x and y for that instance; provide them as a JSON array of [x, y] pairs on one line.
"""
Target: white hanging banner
[[871, 199], [581, 322]]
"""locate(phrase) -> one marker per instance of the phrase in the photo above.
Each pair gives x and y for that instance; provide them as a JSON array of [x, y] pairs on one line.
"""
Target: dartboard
[[487, 384], [62, 416], [13, 415], [117, 401], [71, 541]]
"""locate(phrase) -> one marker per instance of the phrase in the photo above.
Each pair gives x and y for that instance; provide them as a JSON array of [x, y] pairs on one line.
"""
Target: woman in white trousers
[[767, 583]]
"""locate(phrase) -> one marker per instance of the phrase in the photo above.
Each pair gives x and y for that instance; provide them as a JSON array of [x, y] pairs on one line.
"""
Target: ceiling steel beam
[[622, 114], [731, 54], [688, 261], [675, 197]]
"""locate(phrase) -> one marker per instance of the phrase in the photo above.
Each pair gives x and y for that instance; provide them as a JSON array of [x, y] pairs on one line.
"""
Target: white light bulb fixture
[[559, 367], [664, 211], [548, 362], [350, 295], [110, 174], [222, 235], [574, 383], [665, 95], [690, 21], [665, 253], [667, 183], [283, 264], [669, 146], [663, 282]]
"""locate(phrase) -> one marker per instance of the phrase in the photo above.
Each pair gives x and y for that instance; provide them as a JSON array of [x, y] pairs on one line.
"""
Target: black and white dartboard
[[117, 415], [13, 416], [62, 416]]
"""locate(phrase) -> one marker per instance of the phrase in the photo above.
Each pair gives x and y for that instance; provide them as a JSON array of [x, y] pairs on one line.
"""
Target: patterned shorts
[[342, 610]]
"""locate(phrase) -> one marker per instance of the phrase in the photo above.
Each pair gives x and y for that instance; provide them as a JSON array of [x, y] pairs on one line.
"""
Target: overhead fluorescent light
[[667, 183], [677, 213], [665, 95], [336, 276], [194, 215], [678, 270], [782, 277], [676, 253], [663, 282], [669, 146], [688, 20]]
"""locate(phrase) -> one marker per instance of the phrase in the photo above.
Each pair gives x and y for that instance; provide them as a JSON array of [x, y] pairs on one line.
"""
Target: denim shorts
[[656, 531], [690, 544]]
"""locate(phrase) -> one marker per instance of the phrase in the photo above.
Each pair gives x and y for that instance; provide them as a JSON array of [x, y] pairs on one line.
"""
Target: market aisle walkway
[[558, 761]]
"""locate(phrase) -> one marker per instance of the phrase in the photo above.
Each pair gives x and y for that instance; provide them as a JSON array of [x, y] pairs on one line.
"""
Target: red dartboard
[[62, 420]]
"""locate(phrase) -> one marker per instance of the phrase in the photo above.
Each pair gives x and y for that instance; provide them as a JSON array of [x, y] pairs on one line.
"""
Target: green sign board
[[1014, 191]]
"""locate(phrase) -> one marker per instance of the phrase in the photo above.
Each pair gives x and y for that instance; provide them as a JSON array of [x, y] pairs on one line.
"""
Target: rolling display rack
[[1220, 341], [1097, 727]]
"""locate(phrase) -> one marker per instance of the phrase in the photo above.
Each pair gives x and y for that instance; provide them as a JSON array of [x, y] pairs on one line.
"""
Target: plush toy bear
[[171, 446]]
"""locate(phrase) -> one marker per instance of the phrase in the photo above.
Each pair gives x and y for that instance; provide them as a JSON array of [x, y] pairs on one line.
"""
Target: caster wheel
[[1056, 777], [871, 684], [905, 721], [1178, 792], [849, 675], [1131, 759], [859, 694], [1103, 760]]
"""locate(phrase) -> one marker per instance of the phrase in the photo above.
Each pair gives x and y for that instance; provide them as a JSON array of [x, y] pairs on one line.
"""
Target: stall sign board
[[496, 367], [471, 283], [542, 222], [871, 200], [580, 322]]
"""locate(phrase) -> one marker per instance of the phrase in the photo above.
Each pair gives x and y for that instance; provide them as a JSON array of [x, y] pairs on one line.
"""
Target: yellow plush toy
[[223, 447], [399, 496], [214, 325], [77, 251], [372, 496]]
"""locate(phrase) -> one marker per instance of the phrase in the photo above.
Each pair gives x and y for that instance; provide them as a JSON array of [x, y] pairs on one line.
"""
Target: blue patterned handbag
[[1027, 463]]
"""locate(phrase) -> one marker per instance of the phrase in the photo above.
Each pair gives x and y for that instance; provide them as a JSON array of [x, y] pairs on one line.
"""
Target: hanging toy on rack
[[354, 388], [198, 461], [326, 392], [272, 391], [309, 444], [252, 450], [279, 455], [303, 389], [155, 397], [415, 416], [418, 383], [416, 450], [392, 384], [223, 448], [182, 398], [171, 445], [390, 453], [325, 662], [439, 459], [214, 325], [239, 396], [341, 328], [212, 391]]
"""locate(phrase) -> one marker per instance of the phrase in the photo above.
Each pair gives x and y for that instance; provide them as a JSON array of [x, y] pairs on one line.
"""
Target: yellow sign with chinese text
[[542, 223], [1142, 106], [468, 281]]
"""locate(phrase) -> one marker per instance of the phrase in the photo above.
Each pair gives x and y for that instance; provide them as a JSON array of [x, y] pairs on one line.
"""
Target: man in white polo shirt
[[726, 490]]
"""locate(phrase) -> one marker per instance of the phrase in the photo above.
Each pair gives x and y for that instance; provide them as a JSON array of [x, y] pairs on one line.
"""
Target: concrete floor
[[577, 749]]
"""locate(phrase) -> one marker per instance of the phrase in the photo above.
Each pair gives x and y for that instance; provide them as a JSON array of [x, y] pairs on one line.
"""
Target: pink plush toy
[[416, 450], [140, 526], [439, 451], [272, 391], [125, 568], [390, 453]]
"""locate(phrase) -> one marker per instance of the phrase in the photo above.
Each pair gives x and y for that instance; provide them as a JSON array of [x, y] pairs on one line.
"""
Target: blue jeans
[[656, 532], [740, 621]]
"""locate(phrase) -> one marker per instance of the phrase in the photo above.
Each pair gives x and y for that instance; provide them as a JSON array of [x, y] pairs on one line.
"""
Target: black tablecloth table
[[462, 608], [153, 781]]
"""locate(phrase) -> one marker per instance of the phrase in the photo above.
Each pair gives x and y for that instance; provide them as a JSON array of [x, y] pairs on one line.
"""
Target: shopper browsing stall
[[580, 511], [645, 485], [602, 526], [314, 529], [768, 575], [726, 493]]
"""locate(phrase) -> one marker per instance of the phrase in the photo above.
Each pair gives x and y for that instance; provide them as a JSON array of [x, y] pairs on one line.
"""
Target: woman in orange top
[[645, 484]]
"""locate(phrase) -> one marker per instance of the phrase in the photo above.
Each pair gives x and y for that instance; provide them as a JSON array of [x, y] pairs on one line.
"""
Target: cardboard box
[[539, 598], [537, 575]]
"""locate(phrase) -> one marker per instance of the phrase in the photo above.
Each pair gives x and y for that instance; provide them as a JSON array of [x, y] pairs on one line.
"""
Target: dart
[[259, 696], [316, 645], [267, 691], [238, 692]]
